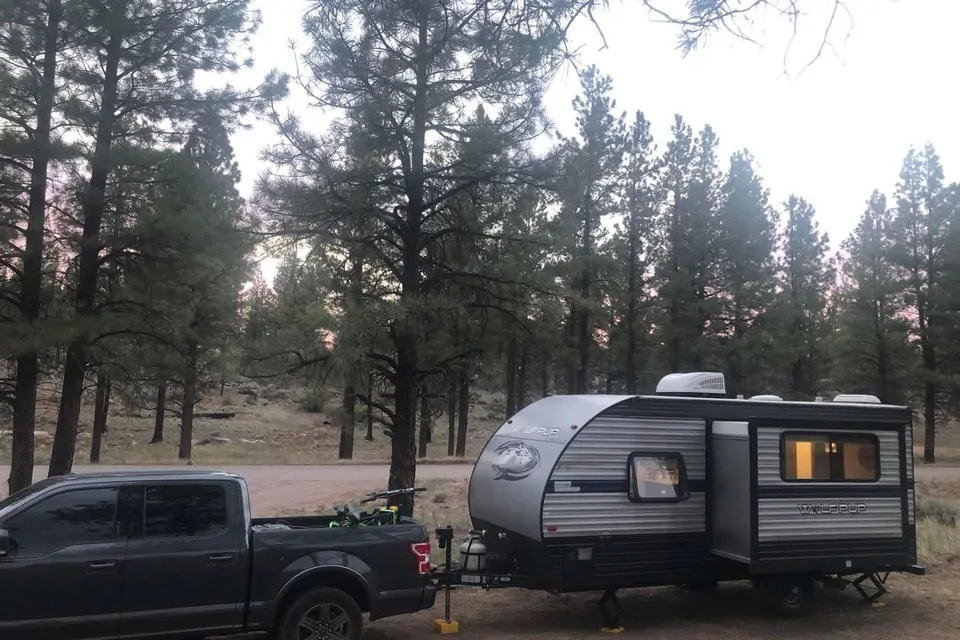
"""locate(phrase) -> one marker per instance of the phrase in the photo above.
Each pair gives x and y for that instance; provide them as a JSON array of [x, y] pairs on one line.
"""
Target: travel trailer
[[689, 487]]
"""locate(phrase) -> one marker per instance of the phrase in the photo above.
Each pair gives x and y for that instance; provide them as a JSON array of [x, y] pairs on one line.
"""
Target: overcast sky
[[831, 134]]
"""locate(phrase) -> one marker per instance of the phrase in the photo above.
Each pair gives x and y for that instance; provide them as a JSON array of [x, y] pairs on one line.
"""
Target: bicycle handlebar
[[380, 495]]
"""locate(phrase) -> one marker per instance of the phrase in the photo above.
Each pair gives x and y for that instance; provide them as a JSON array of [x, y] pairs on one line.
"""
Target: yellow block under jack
[[446, 627], [612, 629]]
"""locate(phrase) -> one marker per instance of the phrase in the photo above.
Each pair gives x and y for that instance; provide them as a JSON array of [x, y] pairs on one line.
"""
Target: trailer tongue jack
[[611, 611]]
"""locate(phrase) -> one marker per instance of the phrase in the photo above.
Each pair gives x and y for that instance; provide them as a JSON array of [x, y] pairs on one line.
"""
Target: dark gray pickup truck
[[158, 554]]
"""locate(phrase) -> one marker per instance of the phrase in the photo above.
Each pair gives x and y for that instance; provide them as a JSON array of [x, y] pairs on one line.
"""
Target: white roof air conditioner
[[699, 383]]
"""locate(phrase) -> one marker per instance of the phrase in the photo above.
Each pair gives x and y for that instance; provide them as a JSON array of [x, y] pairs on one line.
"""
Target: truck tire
[[329, 613]]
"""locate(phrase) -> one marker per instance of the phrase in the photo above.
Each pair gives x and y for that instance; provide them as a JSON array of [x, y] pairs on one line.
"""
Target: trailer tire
[[322, 606], [792, 594]]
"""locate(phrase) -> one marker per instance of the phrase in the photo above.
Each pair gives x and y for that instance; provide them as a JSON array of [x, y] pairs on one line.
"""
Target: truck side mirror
[[4, 543]]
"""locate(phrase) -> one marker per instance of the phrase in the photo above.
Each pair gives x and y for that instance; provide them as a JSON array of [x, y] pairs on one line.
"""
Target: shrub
[[941, 511], [314, 401]]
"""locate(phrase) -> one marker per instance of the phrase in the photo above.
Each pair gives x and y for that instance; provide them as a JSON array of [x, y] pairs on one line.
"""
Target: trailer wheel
[[792, 594], [322, 613]]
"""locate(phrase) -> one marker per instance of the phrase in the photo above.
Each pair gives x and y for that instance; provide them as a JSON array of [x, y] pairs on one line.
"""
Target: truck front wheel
[[324, 614]]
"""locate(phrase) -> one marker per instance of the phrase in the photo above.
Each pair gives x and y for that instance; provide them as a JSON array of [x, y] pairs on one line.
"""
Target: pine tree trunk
[[65, 438], [348, 424], [464, 414], [424, 421], [511, 378], [929, 404], [369, 436], [403, 454], [522, 379], [100, 412], [545, 379], [189, 402], [571, 330], [452, 415], [31, 284], [160, 413], [584, 337], [633, 295]]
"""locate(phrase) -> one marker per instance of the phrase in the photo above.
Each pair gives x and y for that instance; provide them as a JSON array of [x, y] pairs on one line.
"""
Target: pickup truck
[[177, 554]]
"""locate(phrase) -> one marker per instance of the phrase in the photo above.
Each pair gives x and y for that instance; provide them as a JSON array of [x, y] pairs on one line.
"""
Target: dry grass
[[948, 443], [276, 431]]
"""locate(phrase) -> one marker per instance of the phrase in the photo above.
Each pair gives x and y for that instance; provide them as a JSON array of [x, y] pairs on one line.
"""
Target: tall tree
[[802, 310], [589, 191], [873, 352], [202, 261], [406, 71], [920, 226], [748, 274], [687, 276], [149, 55], [29, 49]]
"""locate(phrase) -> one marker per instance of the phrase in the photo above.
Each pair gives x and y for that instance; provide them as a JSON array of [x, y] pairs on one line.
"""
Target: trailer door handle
[[222, 558]]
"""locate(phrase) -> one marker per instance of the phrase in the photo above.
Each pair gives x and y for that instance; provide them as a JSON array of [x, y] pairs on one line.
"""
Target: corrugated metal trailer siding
[[599, 453], [778, 519], [768, 457], [602, 514]]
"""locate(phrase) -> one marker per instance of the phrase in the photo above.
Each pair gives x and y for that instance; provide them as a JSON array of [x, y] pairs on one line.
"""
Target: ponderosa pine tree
[[747, 240], [633, 251], [873, 352], [405, 73], [589, 190], [30, 46], [149, 55], [687, 265], [801, 312], [201, 261], [920, 228]]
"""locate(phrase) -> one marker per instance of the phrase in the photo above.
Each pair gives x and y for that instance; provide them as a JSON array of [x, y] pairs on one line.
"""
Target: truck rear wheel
[[322, 613]]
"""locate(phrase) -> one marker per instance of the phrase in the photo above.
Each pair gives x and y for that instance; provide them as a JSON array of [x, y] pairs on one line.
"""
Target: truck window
[[657, 477], [184, 510], [826, 457], [74, 517]]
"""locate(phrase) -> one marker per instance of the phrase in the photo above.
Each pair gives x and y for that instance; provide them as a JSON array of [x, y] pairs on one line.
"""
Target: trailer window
[[657, 477], [824, 457]]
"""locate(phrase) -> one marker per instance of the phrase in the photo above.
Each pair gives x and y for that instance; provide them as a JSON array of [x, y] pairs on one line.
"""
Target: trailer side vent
[[693, 384], [857, 398], [766, 397]]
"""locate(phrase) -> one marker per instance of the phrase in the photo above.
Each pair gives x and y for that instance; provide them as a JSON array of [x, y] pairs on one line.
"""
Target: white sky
[[831, 134]]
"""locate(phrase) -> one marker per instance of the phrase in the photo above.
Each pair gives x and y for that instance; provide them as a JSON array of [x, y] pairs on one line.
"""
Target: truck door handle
[[102, 565], [222, 558]]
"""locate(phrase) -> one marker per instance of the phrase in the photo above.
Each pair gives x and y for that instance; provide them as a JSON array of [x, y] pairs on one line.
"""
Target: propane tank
[[473, 554]]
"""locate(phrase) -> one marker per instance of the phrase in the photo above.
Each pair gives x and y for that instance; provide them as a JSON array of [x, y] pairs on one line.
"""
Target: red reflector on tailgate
[[421, 551]]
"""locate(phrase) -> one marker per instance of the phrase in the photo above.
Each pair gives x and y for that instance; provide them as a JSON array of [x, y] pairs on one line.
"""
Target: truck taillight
[[421, 551]]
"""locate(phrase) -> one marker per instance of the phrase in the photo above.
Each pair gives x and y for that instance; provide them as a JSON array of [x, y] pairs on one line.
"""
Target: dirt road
[[278, 488], [284, 487]]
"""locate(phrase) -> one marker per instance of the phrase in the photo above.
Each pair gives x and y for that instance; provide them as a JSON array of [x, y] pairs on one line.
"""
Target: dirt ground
[[925, 608], [271, 427]]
